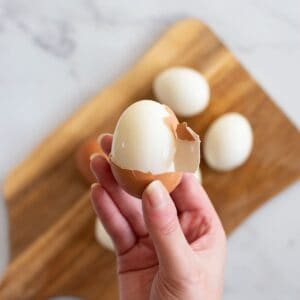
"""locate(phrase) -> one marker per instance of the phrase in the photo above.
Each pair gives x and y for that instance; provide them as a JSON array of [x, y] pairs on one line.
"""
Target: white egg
[[228, 142], [142, 139], [198, 175], [183, 89], [102, 236]]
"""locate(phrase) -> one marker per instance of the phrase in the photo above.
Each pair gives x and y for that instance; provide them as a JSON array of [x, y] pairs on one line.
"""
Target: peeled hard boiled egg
[[228, 142], [184, 90], [102, 236], [150, 144]]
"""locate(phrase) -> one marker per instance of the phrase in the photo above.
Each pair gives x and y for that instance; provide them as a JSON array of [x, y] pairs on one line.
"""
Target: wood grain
[[53, 250]]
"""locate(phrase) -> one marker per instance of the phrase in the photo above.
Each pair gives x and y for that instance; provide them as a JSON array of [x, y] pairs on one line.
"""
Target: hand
[[167, 246]]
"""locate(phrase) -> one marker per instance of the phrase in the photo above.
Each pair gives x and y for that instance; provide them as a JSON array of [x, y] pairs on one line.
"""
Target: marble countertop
[[56, 54]]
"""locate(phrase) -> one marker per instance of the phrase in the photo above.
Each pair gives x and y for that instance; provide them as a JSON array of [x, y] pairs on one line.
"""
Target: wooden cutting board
[[53, 250]]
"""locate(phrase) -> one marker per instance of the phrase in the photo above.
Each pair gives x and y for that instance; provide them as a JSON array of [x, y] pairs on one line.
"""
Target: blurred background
[[54, 55]]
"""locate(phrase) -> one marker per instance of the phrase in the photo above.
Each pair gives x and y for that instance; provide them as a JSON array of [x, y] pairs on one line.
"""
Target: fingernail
[[95, 185], [99, 138], [93, 190], [94, 155], [156, 194]]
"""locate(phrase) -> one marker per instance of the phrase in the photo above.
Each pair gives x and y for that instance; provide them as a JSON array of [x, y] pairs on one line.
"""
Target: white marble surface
[[55, 54]]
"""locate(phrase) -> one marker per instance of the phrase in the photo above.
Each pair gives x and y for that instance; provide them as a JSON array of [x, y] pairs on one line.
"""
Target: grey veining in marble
[[56, 54]]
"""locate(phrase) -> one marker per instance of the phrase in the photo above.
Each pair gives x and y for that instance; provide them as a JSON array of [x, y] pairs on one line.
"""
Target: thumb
[[163, 225]]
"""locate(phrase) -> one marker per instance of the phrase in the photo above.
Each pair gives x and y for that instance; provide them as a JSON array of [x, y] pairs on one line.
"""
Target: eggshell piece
[[187, 144], [103, 237], [184, 90], [228, 142], [134, 182], [82, 158], [187, 156]]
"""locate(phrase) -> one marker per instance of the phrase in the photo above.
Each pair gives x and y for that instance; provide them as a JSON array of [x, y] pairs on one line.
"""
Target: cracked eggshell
[[184, 90], [135, 182], [102, 236], [150, 144], [228, 142]]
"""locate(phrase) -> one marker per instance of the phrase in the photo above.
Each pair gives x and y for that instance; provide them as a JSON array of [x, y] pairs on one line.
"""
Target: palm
[[140, 257], [140, 264], [138, 267], [143, 256]]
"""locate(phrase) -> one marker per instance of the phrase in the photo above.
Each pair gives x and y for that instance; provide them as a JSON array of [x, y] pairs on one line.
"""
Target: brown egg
[[150, 144], [82, 159]]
